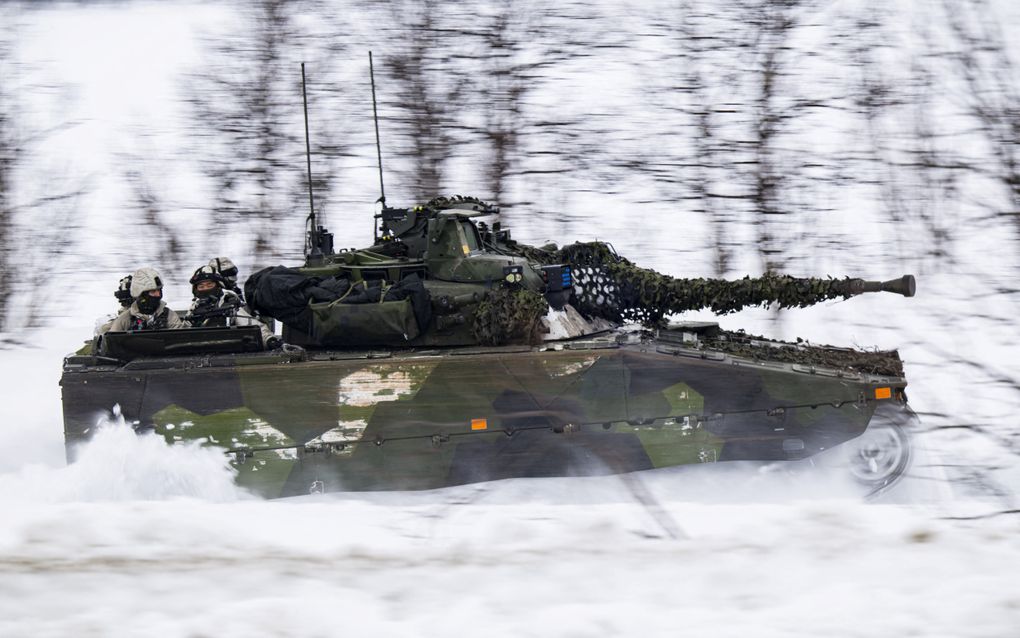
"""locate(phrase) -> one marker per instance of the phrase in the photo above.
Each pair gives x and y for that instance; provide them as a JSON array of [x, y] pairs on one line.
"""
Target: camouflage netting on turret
[[878, 362], [508, 316], [465, 202], [609, 286]]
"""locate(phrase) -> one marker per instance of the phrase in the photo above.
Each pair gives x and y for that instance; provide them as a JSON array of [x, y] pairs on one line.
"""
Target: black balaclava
[[147, 304]]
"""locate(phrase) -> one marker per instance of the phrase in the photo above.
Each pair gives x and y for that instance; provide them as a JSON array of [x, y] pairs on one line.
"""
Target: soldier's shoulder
[[174, 320], [122, 319]]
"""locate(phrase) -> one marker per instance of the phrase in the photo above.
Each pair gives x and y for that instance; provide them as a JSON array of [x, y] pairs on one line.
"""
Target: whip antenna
[[375, 117], [308, 148], [319, 241]]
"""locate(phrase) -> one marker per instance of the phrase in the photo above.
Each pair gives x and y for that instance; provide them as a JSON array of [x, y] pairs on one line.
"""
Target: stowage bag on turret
[[332, 311], [387, 323], [284, 293]]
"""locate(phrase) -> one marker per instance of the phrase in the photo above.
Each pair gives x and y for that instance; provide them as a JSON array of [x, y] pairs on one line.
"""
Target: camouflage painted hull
[[399, 420]]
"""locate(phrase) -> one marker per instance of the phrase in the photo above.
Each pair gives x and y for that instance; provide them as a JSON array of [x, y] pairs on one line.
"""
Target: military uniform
[[216, 305], [147, 311], [134, 319], [225, 310]]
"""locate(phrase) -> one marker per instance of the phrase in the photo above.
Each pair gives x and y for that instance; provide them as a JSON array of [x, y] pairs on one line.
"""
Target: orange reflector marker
[[479, 424], [883, 393]]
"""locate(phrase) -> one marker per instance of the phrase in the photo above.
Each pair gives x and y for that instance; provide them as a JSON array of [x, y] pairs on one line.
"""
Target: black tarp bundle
[[288, 296]]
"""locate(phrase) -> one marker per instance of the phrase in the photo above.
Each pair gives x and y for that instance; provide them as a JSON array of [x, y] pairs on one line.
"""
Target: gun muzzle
[[905, 286]]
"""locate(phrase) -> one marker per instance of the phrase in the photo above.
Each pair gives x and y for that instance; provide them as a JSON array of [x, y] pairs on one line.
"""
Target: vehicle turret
[[476, 285]]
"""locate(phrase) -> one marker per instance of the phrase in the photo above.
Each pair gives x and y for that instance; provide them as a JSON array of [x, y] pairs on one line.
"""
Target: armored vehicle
[[448, 353]]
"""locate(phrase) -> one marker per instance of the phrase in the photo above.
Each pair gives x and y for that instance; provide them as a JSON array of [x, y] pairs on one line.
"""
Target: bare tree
[[904, 159], [247, 106], [935, 202], [535, 152], [151, 207], [506, 84], [37, 224], [773, 23], [991, 97], [9, 151], [429, 89], [49, 239], [694, 163]]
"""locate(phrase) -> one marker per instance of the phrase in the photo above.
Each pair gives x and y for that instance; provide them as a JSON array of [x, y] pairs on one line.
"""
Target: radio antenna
[[375, 117], [308, 149], [318, 241]]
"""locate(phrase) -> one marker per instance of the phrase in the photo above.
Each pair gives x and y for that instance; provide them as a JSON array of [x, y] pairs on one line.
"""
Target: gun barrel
[[905, 285]]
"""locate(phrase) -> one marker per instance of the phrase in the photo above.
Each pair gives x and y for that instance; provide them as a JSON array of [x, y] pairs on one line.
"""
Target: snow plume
[[118, 464]]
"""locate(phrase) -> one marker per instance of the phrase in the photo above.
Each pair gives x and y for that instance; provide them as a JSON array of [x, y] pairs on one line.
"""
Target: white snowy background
[[139, 539]]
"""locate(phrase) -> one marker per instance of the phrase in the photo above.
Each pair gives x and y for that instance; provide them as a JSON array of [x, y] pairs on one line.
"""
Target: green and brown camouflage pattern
[[399, 419]]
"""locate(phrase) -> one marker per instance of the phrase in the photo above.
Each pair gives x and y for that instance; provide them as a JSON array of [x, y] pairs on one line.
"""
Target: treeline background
[[700, 138]]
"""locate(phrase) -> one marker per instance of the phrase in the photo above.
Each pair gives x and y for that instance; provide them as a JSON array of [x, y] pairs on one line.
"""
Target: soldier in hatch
[[215, 305], [123, 292], [123, 295], [147, 310]]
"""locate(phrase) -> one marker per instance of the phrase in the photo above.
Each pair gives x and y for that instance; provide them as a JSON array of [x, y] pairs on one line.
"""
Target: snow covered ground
[[185, 568]]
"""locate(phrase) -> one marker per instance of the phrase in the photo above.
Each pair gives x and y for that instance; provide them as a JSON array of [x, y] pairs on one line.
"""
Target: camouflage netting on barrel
[[609, 286], [508, 316]]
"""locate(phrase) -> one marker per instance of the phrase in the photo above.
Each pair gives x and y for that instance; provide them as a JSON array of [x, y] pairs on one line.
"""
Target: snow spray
[[118, 464]]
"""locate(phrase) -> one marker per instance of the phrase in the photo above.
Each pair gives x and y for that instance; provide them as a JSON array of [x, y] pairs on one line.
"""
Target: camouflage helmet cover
[[226, 269], [145, 279]]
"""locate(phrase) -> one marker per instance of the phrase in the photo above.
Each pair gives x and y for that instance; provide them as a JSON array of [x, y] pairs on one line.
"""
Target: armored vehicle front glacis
[[447, 353]]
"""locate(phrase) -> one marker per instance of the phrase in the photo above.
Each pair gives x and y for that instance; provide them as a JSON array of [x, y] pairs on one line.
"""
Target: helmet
[[123, 292], [145, 279], [207, 273], [226, 269]]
